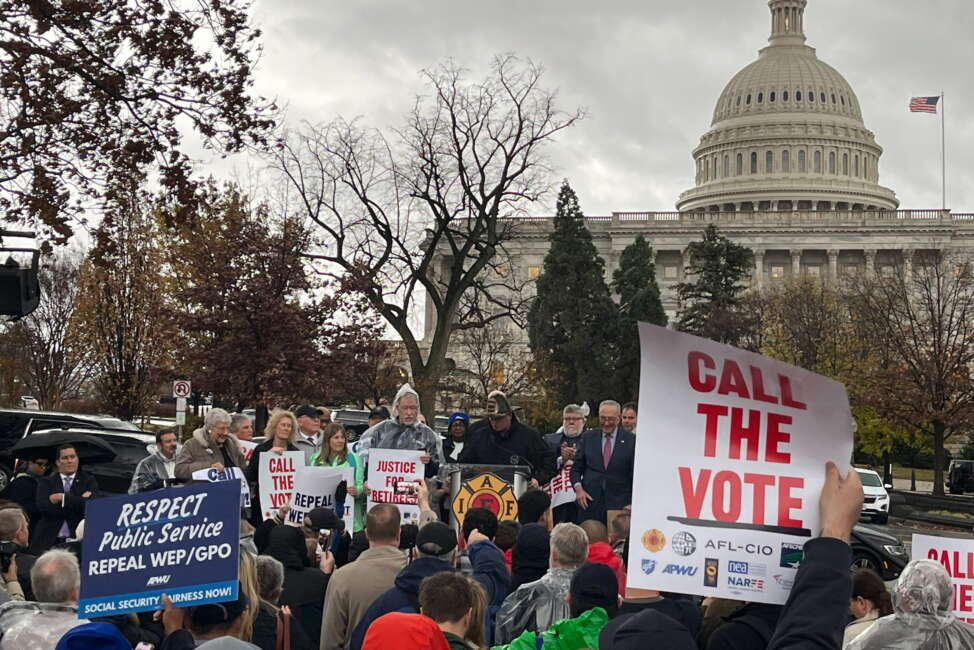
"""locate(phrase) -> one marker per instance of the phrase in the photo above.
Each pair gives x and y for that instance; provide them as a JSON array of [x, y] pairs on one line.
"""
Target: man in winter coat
[[355, 586], [563, 444], [23, 489], [155, 470], [303, 585], [503, 440], [536, 606], [447, 598], [604, 464], [404, 431], [436, 544], [211, 446]]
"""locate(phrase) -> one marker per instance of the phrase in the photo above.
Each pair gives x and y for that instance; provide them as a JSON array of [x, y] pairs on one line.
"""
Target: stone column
[[870, 254], [833, 265], [758, 280], [686, 263], [907, 254], [796, 263]]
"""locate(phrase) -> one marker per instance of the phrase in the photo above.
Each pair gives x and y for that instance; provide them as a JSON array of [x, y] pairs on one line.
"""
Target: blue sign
[[180, 541]]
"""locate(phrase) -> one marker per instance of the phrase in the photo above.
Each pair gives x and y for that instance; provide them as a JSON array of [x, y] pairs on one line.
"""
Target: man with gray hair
[[535, 606], [241, 427], [211, 446], [563, 444], [56, 583], [13, 530], [404, 431], [603, 468]]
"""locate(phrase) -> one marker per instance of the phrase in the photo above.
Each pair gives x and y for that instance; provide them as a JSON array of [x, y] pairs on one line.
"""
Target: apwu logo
[[157, 580], [680, 569], [648, 566]]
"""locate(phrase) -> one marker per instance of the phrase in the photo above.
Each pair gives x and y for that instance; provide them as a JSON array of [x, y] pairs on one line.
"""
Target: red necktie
[[607, 451]]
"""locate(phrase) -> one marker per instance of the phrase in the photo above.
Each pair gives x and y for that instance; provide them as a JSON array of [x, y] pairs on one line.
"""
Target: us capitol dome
[[787, 134]]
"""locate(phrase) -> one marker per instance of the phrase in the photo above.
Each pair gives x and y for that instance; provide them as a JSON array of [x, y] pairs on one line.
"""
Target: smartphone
[[404, 487], [325, 538]]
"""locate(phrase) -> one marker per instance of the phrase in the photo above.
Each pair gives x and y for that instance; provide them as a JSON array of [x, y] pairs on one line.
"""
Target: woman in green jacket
[[334, 453]]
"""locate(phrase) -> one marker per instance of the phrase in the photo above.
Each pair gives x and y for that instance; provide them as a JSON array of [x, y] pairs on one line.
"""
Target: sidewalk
[[904, 484]]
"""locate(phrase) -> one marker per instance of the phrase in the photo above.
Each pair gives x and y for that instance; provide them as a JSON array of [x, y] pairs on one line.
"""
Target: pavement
[[904, 484]]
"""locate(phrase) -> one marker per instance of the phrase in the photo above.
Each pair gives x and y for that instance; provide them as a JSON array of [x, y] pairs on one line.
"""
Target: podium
[[496, 487]]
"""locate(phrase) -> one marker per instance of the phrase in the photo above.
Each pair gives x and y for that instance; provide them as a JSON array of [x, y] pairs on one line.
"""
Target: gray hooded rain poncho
[[534, 606], [390, 434], [922, 618]]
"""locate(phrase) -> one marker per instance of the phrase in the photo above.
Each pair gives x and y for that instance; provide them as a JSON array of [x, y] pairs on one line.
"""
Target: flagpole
[[943, 155]]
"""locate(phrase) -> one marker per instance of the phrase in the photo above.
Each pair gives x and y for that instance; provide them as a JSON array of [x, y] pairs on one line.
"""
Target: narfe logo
[[711, 568]]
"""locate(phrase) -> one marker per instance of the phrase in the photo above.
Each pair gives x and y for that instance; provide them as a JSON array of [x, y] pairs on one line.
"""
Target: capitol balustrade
[[778, 218]]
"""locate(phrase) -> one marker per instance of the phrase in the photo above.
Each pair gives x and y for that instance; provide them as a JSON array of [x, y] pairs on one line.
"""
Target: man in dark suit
[[61, 499], [563, 444], [603, 467]]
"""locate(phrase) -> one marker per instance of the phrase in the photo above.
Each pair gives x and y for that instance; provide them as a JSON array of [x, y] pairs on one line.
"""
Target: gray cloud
[[649, 72]]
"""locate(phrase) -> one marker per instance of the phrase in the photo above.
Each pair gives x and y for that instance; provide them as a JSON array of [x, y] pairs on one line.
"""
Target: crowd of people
[[552, 579]]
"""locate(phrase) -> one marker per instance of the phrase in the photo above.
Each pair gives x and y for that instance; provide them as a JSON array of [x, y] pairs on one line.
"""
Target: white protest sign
[[729, 467], [275, 473], [315, 487], [226, 474], [957, 557], [559, 488], [388, 467], [247, 449]]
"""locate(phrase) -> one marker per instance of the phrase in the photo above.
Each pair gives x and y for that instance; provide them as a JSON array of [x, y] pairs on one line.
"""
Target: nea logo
[[680, 569]]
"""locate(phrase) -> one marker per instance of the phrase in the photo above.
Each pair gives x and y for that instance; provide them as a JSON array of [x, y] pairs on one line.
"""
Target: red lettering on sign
[[712, 411], [760, 483], [751, 433], [757, 381], [776, 437], [786, 398], [699, 382], [732, 381], [787, 502], [693, 493], [724, 481]]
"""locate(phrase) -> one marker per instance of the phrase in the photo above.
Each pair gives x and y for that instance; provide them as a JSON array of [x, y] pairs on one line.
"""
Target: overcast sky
[[648, 71]]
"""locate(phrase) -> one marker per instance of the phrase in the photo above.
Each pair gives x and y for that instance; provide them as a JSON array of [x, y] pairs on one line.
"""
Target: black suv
[[17, 423]]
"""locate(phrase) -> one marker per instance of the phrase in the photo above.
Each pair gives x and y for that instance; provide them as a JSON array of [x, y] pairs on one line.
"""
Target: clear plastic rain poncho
[[535, 606], [922, 616], [27, 624], [390, 434]]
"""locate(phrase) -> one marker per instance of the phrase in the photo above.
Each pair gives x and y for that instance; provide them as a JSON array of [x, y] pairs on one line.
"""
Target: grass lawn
[[904, 472]]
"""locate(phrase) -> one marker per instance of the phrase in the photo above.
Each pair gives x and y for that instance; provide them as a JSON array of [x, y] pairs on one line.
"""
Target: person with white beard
[[563, 443]]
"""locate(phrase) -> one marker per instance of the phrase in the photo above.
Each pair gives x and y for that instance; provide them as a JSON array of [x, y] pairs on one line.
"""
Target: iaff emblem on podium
[[486, 491]]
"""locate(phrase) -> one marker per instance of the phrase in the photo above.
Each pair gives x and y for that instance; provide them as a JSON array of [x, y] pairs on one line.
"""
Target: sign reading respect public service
[[180, 541], [730, 462]]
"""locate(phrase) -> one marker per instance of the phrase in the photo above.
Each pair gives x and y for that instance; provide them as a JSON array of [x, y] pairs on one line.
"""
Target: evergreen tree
[[573, 320], [710, 303], [639, 300]]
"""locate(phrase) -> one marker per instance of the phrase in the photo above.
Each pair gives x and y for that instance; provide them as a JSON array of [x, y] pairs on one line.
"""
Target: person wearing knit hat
[[529, 557], [594, 585], [405, 632], [457, 427]]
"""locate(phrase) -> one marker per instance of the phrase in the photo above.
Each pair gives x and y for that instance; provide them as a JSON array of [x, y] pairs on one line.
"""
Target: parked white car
[[876, 499]]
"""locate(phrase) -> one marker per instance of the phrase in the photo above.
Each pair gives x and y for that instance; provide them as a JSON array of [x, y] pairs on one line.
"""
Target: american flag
[[924, 104]]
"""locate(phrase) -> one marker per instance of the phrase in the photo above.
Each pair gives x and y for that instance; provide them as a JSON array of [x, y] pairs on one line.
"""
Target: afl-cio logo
[[654, 540], [683, 543]]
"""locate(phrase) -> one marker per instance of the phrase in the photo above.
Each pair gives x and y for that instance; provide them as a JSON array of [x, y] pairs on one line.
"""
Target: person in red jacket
[[599, 550]]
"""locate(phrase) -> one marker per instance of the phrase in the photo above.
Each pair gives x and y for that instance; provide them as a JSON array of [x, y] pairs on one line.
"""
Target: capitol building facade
[[789, 169]]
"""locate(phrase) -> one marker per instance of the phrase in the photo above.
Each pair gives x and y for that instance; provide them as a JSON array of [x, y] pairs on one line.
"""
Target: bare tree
[[424, 215], [490, 359], [920, 327], [53, 359]]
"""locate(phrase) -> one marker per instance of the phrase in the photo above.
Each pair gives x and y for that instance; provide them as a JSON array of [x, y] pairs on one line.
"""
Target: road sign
[[182, 388], [180, 418], [180, 403]]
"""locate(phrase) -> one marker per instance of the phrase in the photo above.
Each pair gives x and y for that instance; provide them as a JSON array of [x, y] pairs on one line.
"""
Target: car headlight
[[882, 497], [898, 550]]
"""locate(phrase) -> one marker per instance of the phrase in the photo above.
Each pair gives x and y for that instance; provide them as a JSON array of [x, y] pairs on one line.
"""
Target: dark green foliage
[[639, 300], [573, 320], [710, 303]]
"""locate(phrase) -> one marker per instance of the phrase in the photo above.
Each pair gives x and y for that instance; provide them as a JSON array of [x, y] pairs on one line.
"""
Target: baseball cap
[[436, 538], [219, 613], [596, 585], [379, 412], [308, 410]]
